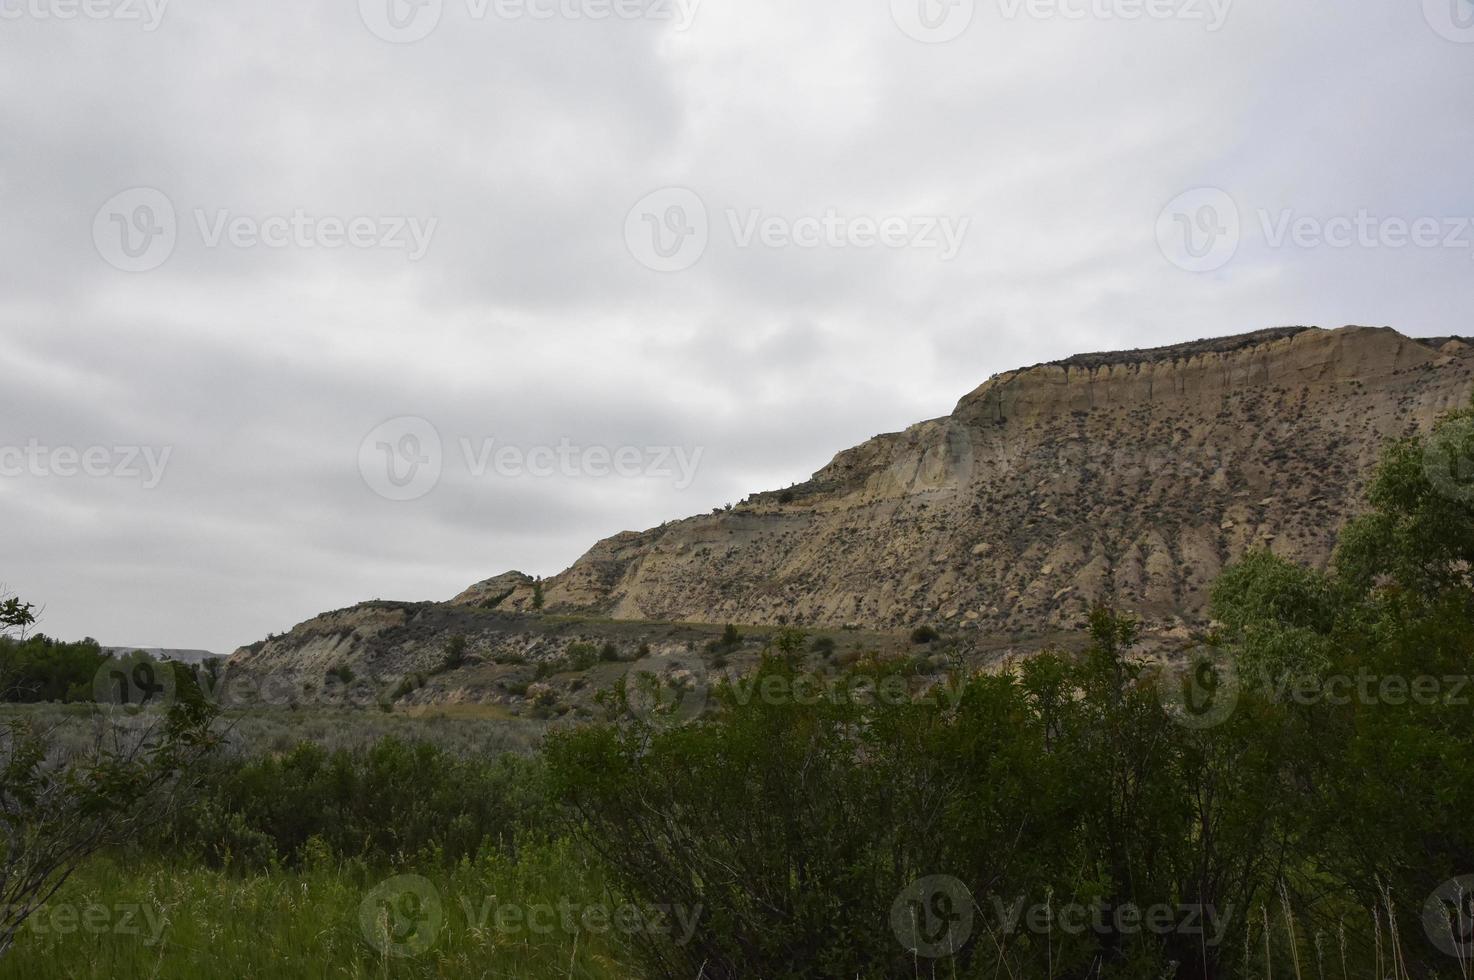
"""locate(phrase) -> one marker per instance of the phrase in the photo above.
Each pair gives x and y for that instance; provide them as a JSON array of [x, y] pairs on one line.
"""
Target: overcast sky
[[305, 303]]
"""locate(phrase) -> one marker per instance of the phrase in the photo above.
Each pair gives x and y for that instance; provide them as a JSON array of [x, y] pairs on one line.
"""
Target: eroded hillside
[[1129, 478]]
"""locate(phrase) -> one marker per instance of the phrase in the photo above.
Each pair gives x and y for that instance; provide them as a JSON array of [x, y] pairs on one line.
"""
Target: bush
[[924, 634], [42, 669], [1018, 792], [455, 653], [394, 801], [579, 656]]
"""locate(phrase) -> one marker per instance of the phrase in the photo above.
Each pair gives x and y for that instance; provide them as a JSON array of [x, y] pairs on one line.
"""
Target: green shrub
[[924, 634], [393, 801], [42, 669]]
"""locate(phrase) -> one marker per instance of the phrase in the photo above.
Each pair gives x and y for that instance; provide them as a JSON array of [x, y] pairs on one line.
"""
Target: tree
[[56, 814], [1383, 775], [455, 652], [15, 616]]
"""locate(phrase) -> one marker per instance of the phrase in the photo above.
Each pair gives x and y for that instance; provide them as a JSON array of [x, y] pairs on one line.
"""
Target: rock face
[[1128, 477]]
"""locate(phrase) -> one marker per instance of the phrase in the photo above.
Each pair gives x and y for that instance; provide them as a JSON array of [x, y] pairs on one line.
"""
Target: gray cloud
[[529, 319]]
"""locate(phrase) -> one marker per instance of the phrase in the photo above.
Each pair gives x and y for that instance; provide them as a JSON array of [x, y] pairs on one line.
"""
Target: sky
[[307, 303]]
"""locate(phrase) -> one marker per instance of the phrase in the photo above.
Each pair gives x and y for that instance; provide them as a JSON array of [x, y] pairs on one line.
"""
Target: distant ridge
[[160, 653], [1174, 352]]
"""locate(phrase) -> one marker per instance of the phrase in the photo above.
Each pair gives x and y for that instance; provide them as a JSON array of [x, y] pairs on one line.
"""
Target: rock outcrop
[[1130, 477]]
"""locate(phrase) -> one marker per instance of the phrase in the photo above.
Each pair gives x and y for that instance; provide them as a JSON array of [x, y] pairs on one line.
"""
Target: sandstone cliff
[[1128, 477]]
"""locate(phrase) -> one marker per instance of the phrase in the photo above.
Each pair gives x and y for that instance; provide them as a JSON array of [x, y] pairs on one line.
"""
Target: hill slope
[[1130, 478]]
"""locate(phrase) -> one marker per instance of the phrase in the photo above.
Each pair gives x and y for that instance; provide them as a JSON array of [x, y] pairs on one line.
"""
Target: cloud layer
[[211, 220]]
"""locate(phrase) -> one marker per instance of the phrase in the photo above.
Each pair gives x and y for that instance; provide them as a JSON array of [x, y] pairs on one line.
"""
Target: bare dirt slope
[[1130, 478]]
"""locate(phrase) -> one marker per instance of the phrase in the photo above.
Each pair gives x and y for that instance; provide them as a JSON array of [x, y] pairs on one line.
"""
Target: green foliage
[[1419, 535], [498, 599], [790, 642], [57, 812], [1383, 777], [16, 615], [455, 653], [182, 922], [42, 669], [794, 826], [578, 657], [1069, 781], [394, 801], [407, 685]]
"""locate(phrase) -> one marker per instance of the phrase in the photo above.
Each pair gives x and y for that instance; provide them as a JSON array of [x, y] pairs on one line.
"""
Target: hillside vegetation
[[1292, 799]]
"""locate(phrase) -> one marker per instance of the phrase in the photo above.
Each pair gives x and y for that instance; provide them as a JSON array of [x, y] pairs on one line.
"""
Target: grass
[[123, 918]]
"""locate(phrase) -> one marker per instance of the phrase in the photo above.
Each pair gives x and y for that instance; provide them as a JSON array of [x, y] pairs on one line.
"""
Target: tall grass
[[306, 925]]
